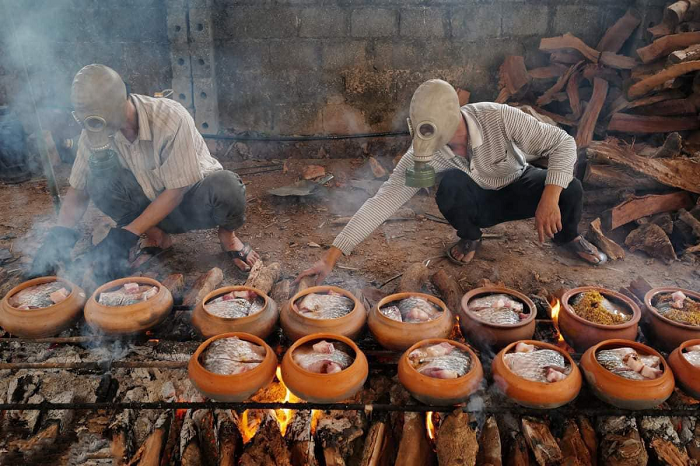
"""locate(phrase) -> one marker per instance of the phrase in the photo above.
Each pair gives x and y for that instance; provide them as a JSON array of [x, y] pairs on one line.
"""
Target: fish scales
[[392, 312], [408, 304], [533, 365], [693, 357], [498, 316], [454, 361], [613, 361], [325, 306], [37, 296], [307, 357], [234, 308], [121, 297], [232, 356], [495, 301]]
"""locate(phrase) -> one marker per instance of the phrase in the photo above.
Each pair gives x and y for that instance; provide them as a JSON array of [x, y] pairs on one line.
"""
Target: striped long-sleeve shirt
[[503, 140]]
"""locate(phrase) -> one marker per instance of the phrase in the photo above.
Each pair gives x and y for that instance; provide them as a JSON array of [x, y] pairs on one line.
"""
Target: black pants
[[469, 207], [217, 200]]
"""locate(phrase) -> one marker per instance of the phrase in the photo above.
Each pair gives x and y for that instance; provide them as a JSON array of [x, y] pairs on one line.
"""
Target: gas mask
[[99, 98], [433, 119]]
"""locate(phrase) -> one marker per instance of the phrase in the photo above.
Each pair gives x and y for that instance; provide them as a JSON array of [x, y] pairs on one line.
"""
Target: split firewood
[[621, 103], [664, 221], [55, 423], [671, 148], [621, 444], [595, 234], [689, 54], [265, 277], [281, 291], [449, 289], [552, 71], [572, 92], [311, 172], [644, 206], [229, 438], [618, 33], [541, 442], [336, 432], [566, 57], [377, 170], [668, 108], [607, 176], [573, 448], [414, 449], [662, 438], [651, 239], [589, 438], [414, 278], [648, 84], [665, 45], [490, 451], [204, 285], [569, 42], [513, 76], [592, 71], [207, 434], [175, 283], [457, 442], [584, 135], [377, 450], [301, 440], [618, 62], [121, 432], [518, 454], [606, 196], [693, 223], [171, 449], [680, 173], [190, 454], [268, 447], [149, 453], [559, 86], [639, 124], [673, 15]]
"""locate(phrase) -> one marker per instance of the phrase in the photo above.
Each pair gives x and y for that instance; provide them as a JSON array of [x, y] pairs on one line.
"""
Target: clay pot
[[622, 392], [539, 395], [324, 388], [484, 334], [687, 375], [296, 325], [398, 336], [441, 392], [259, 324], [135, 318], [232, 388], [46, 322], [582, 334], [665, 332]]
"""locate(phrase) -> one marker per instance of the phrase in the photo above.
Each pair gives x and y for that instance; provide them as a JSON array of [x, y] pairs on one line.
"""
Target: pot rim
[[226, 289], [669, 289], [428, 297], [424, 378], [543, 345], [636, 312], [324, 336], [121, 281], [489, 290], [38, 281], [221, 378], [686, 364], [322, 288], [619, 343]]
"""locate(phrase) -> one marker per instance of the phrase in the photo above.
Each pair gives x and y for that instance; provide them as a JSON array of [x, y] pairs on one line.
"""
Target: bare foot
[[156, 238], [230, 242]]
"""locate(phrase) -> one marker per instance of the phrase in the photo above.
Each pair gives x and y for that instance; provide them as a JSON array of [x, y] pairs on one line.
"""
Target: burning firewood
[[229, 438], [414, 449], [301, 439], [490, 444], [263, 278], [171, 449], [573, 448], [208, 436], [337, 432], [205, 284], [595, 234], [190, 454], [457, 443], [149, 452], [449, 289], [621, 444], [122, 436], [379, 448], [268, 447], [663, 441], [589, 438]]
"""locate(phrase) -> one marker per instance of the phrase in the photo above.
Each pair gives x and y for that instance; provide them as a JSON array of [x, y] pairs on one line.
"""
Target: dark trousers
[[217, 200], [469, 207]]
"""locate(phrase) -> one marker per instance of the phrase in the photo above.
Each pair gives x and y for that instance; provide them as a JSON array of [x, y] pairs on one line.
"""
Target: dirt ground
[[285, 230]]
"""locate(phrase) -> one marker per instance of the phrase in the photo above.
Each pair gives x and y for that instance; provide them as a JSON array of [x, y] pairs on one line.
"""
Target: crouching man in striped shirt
[[143, 163], [486, 177]]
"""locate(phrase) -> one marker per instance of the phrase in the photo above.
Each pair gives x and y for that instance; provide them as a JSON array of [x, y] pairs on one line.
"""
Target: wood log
[[545, 116], [589, 438], [649, 83], [665, 45], [647, 69], [693, 223], [171, 449], [644, 206], [414, 449], [664, 221], [673, 15], [653, 240], [694, 445], [301, 440], [149, 453], [414, 278], [377, 449], [621, 444], [229, 439], [619, 62], [513, 76], [569, 42], [621, 103], [566, 57], [548, 96], [265, 278], [573, 94], [595, 234], [606, 196], [688, 54], [668, 108], [457, 442], [552, 71], [268, 447], [190, 454], [672, 147], [573, 448], [121, 432], [679, 173], [592, 71], [490, 451], [618, 33], [584, 134], [204, 285], [281, 291], [518, 453], [605, 176], [639, 124], [661, 436], [175, 283], [541, 442], [449, 289], [208, 437]]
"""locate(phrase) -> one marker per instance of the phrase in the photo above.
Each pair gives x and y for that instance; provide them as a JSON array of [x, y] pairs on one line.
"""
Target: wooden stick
[[586, 126], [619, 62], [648, 84], [665, 45], [573, 94], [618, 33], [548, 96], [595, 234], [569, 42]]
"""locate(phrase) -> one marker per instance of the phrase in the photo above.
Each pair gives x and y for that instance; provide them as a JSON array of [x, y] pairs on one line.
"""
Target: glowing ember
[[248, 431], [556, 307], [284, 416], [315, 415], [180, 413], [429, 426]]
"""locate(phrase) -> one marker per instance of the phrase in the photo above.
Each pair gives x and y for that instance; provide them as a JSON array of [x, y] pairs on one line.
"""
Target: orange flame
[[180, 413], [284, 416], [315, 415], [429, 426], [248, 431], [556, 307]]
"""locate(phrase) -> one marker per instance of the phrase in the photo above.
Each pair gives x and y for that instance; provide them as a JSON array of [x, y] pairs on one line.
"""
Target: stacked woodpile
[[635, 120]]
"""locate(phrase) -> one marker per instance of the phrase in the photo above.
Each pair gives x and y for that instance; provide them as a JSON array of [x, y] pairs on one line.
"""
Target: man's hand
[[54, 252], [548, 215], [323, 267], [110, 258]]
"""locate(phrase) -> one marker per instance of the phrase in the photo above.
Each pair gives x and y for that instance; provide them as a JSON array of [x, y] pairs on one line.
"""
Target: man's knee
[[225, 186], [452, 184]]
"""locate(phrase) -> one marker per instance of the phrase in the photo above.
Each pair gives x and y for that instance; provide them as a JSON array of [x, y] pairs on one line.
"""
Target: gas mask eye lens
[[95, 123], [426, 130]]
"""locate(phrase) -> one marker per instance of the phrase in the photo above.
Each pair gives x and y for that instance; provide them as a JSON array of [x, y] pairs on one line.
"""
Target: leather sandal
[[587, 251], [467, 246], [242, 255]]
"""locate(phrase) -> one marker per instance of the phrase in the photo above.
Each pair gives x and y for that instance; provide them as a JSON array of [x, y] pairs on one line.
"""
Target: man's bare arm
[[160, 208], [74, 205]]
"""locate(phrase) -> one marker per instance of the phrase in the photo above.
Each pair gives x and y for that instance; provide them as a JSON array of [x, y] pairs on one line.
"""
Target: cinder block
[[177, 24], [525, 20], [423, 22], [242, 55], [247, 22], [182, 91], [206, 105], [476, 22], [202, 60], [374, 22], [343, 55], [200, 26], [295, 55], [582, 21], [323, 22]]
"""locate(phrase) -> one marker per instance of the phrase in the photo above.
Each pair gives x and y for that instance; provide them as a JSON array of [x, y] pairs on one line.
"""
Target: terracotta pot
[[259, 324], [398, 336], [687, 375], [296, 325], [46, 322], [324, 388], [232, 388], [539, 395], [135, 318], [484, 334], [582, 334], [442, 392], [622, 392], [665, 332]]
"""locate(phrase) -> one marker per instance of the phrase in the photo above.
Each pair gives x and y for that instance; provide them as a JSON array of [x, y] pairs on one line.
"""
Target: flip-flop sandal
[[241, 255], [473, 246]]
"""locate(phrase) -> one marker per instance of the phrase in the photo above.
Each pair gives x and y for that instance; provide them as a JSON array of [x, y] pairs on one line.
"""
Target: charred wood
[[281, 291], [663, 441], [378, 449], [301, 440], [457, 440], [541, 442], [490, 451], [121, 433], [573, 448], [175, 283], [149, 453], [621, 444], [268, 447], [589, 438], [653, 240]]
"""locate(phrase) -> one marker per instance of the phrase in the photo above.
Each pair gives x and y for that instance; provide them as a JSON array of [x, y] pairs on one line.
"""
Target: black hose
[[310, 137]]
